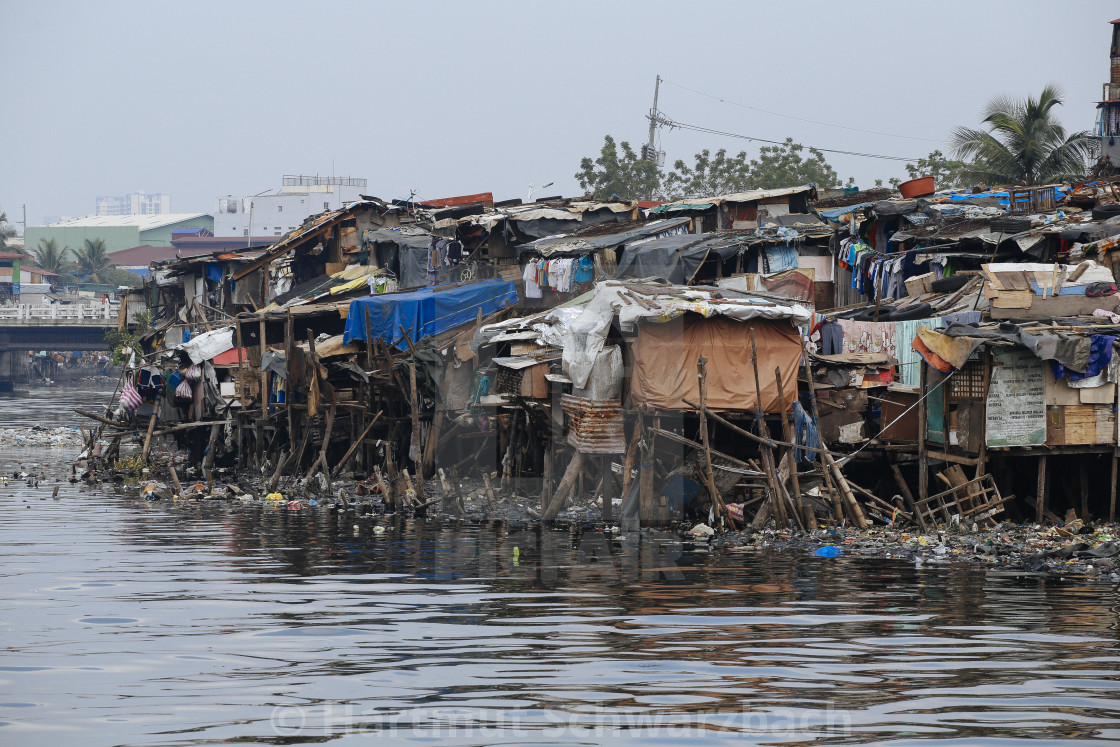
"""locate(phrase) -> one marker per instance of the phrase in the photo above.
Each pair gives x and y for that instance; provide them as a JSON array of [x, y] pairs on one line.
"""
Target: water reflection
[[192, 623], [54, 405]]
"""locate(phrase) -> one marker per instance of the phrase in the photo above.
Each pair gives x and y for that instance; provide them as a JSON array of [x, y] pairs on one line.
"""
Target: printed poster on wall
[[1016, 411]]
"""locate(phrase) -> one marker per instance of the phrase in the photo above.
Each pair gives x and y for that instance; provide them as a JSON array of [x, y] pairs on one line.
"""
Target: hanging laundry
[[532, 287], [868, 337], [584, 269], [454, 252], [780, 258]]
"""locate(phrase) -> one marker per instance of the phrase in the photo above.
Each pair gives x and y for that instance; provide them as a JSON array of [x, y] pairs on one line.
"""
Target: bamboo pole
[[208, 460], [575, 467], [414, 402], [837, 508], [767, 453], [718, 505], [809, 520], [148, 438]]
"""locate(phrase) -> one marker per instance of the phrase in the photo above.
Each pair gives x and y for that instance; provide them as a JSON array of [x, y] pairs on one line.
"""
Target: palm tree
[[1023, 144], [93, 260], [7, 231], [49, 257]]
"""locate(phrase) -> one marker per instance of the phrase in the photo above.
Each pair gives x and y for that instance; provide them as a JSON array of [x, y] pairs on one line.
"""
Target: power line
[[682, 126], [799, 119]]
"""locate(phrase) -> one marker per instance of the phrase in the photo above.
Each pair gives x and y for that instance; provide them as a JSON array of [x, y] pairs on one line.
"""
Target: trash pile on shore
[[1069, 548], [40, 436], [1073, 548]]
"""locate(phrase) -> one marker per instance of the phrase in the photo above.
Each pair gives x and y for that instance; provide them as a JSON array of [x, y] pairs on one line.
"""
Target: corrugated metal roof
[[143, 222], [751, 196]]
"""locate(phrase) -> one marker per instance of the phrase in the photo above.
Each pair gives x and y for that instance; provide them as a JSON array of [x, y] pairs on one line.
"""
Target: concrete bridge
[[54, 327]]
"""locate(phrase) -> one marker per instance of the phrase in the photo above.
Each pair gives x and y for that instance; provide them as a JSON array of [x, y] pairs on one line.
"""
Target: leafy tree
[[1023, 143], [7, 230], [783, 166], [946, 172], [119, 276], [624, 176], [776, 166], [49, 257], [709, 175], [93, 261]]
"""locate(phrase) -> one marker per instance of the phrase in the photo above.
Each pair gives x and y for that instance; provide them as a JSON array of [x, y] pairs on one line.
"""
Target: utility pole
[[649, 152], [653, 119]]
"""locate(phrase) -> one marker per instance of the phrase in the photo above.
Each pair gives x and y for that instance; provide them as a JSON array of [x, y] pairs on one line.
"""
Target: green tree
[[1023, 144], [93, 261], [784, 165], [776, 166], [947, 173], [7, 230], [709, 175], [119, 276], [49, 257], [624, 176]]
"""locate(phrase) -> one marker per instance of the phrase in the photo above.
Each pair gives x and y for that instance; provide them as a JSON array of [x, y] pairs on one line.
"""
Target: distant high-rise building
[[277, 212], [134, 203], [1108, 109]]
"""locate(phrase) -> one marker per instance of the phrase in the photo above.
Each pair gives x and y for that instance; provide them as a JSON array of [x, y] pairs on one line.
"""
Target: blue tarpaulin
[[425, 312]]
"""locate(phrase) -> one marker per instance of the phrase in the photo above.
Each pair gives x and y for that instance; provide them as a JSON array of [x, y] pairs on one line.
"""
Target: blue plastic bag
[[828, 551]]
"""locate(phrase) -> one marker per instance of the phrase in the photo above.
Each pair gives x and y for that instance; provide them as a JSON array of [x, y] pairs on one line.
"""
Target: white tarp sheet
[[205, 346]]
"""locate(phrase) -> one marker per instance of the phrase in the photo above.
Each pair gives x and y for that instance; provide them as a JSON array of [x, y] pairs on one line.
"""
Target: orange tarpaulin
[[665, 357]]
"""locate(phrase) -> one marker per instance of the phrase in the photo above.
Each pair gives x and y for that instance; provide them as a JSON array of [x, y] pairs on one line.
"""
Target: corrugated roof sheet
[[142, 222]]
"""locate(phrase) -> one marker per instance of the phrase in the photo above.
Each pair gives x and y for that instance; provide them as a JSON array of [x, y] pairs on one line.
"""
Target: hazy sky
[[200, 99]]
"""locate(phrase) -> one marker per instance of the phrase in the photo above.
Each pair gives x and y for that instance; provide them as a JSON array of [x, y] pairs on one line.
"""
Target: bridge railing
[[25, 312]]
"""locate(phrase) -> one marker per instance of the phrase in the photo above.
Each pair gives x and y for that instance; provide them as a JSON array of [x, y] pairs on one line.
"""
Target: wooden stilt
[[386, 492], [923, 426], [240, 390], [807, 518], [778, 506], [175, 480], [567, 483], [264, 374], [1040, 496], [718, 507], [1112, 491], [148, 438], [414, 402], [907, 496], [628, 462], [208, 460], [354, 446], [546, 478], [289, 388], [1083, 482], [608, 498]]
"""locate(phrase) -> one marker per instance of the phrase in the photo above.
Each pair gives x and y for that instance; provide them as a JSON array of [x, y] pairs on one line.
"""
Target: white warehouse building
[[277, 212]]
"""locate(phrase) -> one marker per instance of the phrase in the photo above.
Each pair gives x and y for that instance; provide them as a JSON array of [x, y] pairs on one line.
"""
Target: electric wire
[[697, 128], [723, 100]]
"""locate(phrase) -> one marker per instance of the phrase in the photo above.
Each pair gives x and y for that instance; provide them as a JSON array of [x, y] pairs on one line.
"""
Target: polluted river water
[[184, 623]]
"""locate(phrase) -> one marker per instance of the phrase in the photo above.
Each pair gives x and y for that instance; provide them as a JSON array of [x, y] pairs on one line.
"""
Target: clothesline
[[561, 275]]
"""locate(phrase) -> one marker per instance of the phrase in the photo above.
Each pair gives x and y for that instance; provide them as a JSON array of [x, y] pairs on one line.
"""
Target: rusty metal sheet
[[595, 426]]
